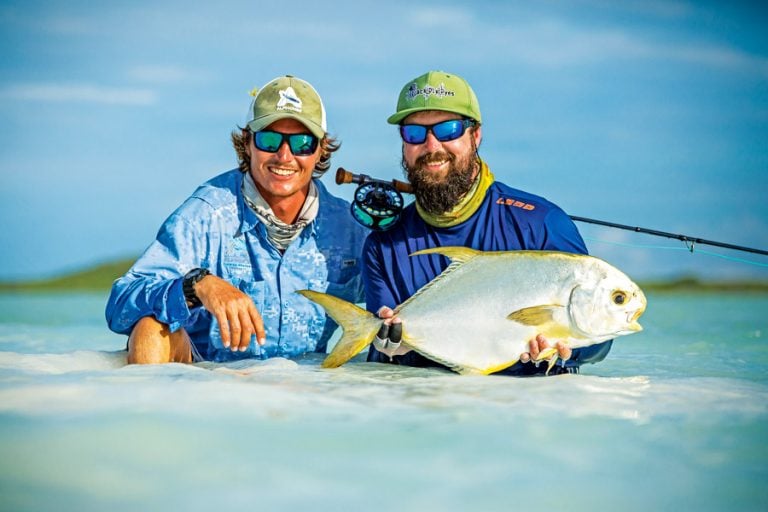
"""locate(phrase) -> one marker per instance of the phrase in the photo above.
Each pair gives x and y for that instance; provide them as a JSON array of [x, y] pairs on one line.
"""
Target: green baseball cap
[[287, 97], [436, 90]]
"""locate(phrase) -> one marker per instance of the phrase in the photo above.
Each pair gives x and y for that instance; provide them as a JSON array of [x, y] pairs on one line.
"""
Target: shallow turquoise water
[[676, 418]]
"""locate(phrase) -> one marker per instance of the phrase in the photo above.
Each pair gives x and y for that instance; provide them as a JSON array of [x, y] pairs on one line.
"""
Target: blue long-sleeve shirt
[[215, 229], [507, 220]]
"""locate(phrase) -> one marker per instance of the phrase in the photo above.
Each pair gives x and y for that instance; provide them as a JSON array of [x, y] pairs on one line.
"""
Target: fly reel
[[377, 204]]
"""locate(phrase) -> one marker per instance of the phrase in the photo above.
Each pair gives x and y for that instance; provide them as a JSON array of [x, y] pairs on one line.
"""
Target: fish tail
[[358, 325]]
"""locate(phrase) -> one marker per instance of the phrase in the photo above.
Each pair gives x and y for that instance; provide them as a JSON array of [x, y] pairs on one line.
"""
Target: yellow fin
[[549, 355], [498, 368], [543, 319], [456, 254], [535, 315], [358, 325]]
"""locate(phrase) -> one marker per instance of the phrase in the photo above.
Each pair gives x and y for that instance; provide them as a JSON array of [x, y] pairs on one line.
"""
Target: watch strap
[[188, 286]]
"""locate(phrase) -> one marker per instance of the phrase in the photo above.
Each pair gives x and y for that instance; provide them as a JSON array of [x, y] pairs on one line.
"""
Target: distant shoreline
[[94, 279], [100, 278]]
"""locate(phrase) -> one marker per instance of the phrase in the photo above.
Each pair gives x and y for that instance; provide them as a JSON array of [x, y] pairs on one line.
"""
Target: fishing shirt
[[507, 220], [216, 230]]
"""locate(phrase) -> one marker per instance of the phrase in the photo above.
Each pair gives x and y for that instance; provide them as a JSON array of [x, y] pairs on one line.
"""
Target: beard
[[437, 196]]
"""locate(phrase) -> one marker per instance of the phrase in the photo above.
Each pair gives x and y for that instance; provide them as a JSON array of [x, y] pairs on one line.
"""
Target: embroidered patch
[[289, 100], [428, 90]]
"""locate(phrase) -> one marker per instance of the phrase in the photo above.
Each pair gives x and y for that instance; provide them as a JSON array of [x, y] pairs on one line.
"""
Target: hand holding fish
[[480, 315], [539, 346], [387, 340]]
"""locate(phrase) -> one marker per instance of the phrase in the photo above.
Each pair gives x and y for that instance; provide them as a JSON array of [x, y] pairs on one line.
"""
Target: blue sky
[[649, 113]]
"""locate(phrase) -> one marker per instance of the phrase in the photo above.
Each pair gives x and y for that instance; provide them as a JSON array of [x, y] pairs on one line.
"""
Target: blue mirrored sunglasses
[[301, 144], [444, 132]]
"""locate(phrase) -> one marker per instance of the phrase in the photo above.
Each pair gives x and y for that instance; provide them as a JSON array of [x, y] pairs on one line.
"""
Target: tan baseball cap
[[288, 97]]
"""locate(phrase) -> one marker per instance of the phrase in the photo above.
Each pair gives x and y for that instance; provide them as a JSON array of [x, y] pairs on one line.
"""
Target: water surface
[[676, 418]]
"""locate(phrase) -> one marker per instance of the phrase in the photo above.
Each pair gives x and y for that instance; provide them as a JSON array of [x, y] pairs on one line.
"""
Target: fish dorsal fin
[[458, 256]]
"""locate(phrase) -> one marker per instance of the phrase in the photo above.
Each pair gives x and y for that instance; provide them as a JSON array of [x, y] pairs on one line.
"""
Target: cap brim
[[399, 116], [264, 121]]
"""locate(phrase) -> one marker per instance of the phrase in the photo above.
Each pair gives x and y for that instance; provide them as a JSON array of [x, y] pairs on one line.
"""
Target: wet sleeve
[[377, 292], [377, 286], [591, 354], [360, 239], [153, 285]]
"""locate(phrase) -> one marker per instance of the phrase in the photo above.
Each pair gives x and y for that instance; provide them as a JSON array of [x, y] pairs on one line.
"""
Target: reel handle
[[344, 176]]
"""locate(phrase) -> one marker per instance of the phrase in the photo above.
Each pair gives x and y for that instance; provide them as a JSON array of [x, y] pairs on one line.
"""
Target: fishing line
[[686, 249]]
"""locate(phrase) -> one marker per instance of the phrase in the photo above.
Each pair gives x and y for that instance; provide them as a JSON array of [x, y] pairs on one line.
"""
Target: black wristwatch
[[188, 285]]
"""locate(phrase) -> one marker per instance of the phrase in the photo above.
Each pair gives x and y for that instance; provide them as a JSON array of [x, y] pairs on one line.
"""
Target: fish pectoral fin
[[543, 319], [534, 315]]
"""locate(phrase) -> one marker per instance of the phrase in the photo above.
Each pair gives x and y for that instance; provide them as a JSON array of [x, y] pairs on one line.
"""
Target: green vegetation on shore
[[100, 278], [695, 285]]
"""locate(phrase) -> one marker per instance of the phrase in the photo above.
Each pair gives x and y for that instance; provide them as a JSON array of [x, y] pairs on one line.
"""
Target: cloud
[[78, 93], [664, 9], [554, 43], [165, 74], [542, 38], [717, 56], [440, 17]]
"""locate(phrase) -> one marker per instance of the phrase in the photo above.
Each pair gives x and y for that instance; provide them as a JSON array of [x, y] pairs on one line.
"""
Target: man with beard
[[458, 203]]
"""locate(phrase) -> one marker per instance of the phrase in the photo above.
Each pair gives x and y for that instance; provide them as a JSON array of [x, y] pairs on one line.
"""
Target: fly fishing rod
[[378, 203], [689, 240]]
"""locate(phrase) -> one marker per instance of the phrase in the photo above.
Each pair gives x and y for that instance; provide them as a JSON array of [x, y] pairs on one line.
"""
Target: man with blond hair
[[218, 282]]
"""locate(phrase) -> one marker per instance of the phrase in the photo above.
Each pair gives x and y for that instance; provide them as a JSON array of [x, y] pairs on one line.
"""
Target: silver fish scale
[[460, 318]]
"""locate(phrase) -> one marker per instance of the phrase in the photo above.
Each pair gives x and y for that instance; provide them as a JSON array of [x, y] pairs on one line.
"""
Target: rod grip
[[402, 186], [344, 176]]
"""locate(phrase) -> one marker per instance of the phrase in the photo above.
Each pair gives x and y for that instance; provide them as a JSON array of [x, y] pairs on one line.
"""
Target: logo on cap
[[427, 91], [289, 100]]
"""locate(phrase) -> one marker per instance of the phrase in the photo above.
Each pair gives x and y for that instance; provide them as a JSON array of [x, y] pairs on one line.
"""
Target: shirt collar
[[250, 220]]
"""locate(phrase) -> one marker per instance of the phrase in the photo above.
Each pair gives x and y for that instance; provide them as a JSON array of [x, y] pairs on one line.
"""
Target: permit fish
[[478, 316]]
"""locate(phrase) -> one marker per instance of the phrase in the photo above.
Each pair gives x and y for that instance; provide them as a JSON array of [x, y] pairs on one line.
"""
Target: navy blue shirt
[[508, 219]]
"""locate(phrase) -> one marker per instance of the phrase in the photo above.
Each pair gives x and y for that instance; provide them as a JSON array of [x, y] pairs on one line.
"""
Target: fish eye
[[619, 297]]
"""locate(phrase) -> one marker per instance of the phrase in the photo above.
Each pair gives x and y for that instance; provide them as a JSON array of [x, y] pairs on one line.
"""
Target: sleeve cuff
[[176, 306]]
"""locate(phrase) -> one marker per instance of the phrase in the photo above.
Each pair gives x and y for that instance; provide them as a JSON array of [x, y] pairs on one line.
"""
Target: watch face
[[196, 274]]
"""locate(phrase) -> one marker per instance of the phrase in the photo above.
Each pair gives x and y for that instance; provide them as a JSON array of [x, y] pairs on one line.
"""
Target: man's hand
[[238, 317], [539, 347], [387, 340]]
